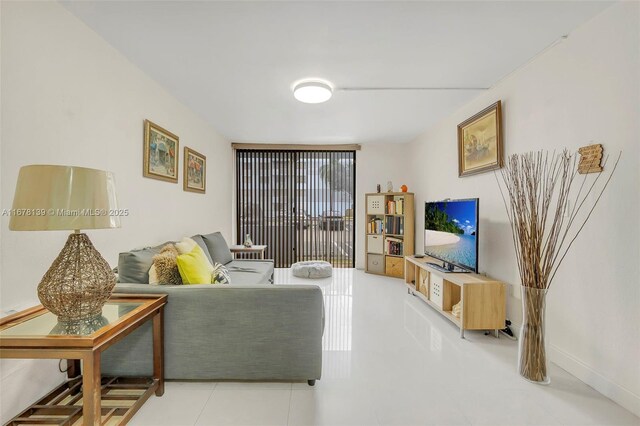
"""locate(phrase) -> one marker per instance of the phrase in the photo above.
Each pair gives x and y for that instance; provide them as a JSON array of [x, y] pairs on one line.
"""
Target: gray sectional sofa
[[250, 329]]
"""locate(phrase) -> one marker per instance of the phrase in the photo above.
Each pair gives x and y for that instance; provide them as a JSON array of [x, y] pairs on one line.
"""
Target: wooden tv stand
[[484, 302]]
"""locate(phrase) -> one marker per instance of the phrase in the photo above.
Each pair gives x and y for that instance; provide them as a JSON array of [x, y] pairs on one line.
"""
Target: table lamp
[[54, 198]]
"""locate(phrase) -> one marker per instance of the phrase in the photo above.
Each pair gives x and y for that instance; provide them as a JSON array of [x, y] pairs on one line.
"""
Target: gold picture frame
[[194, 171], [480, 142], [160, 154]]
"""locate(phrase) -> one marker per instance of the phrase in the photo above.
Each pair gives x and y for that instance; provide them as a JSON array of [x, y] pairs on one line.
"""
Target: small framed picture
[[480, 142], [160, 156], [195, 171]]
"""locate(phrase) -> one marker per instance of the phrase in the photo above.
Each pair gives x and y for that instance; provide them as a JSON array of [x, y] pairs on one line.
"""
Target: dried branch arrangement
[[547, 212], [545, 226]]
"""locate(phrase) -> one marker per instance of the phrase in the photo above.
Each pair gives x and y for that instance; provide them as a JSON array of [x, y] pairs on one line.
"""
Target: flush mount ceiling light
[[317, 91], [313, 91]]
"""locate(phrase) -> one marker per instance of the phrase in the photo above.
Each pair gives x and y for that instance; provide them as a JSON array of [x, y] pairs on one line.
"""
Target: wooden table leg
[[91, 389], [73, 368], [74, 371], [158, 350]]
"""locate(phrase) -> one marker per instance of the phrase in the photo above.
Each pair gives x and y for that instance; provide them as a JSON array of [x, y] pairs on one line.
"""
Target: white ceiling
[[234, 62]]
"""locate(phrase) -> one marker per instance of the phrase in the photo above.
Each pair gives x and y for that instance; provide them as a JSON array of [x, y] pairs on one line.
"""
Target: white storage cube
[[375, 204], [375, 244]]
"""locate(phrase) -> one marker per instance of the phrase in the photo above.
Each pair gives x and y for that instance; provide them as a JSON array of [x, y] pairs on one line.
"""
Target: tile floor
[[391, 360]]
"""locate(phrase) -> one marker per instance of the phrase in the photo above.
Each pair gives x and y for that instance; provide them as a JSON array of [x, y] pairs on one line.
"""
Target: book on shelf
[[394, 225], [395, 206], [375, 226], [399, 205], [394, 246], [391, 207]]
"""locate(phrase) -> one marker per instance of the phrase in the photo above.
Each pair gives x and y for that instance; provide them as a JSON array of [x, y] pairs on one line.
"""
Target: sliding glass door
[[299, 203]]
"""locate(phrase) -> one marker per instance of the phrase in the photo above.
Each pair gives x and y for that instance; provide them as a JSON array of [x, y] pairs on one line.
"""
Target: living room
[[87, 84]]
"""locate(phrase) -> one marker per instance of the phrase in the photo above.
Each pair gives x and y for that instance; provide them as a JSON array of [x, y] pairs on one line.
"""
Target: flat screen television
[[451, 233]]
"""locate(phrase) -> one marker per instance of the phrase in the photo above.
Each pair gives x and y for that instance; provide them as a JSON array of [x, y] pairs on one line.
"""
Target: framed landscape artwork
[[480, 142], [160, 156], [195, 171]]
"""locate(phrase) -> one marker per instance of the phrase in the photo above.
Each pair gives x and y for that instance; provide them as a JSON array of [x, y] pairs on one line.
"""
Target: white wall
[[584, 90], [377, 164], [70, 98]]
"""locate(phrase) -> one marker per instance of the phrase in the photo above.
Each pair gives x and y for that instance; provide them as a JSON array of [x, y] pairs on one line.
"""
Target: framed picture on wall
[[160, 156], [480, 142], [195, 171]]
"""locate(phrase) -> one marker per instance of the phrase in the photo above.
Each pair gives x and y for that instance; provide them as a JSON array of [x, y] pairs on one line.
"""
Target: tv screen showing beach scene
[[451, 232]]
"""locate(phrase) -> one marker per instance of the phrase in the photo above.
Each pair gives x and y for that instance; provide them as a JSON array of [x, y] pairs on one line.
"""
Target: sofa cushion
[[134, 265], [250, 272], [218, 248]]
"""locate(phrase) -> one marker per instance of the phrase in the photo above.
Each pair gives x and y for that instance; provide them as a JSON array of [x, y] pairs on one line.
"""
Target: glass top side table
[[44, 323], [37, 333]]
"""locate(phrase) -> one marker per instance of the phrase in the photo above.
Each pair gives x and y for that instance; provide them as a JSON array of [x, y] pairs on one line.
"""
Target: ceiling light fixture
[[313, 91], [316, 91]]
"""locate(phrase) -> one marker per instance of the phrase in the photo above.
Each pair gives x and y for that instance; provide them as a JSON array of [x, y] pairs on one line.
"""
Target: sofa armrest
[[259, 332]]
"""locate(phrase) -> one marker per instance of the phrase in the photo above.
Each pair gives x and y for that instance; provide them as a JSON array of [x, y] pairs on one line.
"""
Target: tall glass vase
[[532, 354]]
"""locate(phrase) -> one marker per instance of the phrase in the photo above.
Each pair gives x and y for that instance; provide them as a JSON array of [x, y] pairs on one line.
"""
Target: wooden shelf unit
[[378, 260], [484, 302]]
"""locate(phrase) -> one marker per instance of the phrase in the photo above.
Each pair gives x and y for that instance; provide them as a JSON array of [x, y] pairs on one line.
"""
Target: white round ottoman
[[312, 269]]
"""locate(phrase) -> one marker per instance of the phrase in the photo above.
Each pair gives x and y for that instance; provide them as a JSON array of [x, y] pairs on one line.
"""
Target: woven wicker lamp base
[[78, 283]]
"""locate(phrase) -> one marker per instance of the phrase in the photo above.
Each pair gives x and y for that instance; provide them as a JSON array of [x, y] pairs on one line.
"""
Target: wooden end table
[[35, 333], [254, 249]]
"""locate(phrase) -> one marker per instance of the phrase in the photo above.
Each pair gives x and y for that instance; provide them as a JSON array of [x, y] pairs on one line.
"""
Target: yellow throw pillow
[[194, 267], [186, 246]]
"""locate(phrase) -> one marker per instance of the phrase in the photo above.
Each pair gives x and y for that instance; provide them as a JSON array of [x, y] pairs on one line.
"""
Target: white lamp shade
[[50, 198]]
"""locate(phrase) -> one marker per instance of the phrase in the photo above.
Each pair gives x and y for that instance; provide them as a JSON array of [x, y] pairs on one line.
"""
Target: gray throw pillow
[[218, 248], [133, 266]]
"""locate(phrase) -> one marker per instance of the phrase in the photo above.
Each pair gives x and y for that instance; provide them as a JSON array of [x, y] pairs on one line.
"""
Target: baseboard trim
[[619, 394], [515, 327]]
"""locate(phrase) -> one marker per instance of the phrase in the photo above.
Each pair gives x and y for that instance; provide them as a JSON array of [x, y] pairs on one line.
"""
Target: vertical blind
[[299, 203]]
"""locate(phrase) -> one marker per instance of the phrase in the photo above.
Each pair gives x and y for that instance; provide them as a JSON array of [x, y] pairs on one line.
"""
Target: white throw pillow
[[185, 245], [153, 275]]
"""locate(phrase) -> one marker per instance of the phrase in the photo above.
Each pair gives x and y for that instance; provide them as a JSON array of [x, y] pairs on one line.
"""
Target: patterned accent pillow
[[220, 274], [166, 267]]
